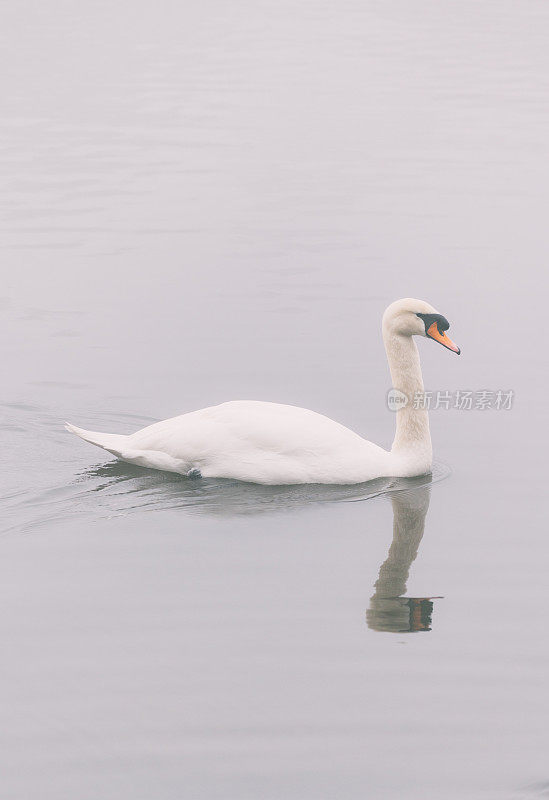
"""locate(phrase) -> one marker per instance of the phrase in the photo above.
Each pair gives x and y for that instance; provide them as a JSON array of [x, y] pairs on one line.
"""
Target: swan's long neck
[[412, 424]]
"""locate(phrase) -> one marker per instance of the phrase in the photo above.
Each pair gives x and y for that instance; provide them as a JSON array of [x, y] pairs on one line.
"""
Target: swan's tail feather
[[119, 446], [113, 442]]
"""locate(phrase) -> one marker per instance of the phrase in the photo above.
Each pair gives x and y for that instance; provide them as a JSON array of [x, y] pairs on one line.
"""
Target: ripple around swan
[[117, 488], [132, 488]]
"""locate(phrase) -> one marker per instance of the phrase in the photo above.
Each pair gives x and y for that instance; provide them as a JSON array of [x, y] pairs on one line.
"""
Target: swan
[[271, 443]]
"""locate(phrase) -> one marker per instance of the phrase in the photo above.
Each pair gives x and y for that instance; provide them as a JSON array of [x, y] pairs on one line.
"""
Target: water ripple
[[118, 489]]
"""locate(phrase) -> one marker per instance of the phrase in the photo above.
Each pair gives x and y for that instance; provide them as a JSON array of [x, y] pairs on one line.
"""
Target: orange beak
[[442, 338]]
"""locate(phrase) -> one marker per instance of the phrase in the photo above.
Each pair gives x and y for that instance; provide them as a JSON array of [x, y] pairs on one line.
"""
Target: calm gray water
[[205, 201]]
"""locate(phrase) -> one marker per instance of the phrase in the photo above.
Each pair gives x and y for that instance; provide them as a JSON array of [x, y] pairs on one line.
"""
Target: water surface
[[205, 202]]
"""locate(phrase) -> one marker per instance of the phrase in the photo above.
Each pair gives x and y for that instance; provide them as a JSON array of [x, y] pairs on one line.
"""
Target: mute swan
[[271, 443]]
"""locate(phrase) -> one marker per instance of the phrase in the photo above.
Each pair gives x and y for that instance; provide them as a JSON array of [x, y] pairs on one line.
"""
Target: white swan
[[271, 443]]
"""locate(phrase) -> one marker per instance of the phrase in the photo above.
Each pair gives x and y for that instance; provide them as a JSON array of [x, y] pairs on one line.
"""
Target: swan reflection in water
[[124, 488], [390, 610]]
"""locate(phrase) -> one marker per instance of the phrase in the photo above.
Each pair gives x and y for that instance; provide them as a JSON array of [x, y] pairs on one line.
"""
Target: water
[[212, 201]]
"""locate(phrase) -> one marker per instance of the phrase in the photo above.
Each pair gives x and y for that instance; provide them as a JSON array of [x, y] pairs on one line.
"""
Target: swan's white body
[[271, 443], [252, 441]]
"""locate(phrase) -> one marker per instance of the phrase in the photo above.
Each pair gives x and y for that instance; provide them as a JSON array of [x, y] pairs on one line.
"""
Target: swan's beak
[[434, 333]]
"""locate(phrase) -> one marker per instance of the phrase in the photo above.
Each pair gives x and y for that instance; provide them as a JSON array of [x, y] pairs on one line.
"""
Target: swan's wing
[[264, 442]]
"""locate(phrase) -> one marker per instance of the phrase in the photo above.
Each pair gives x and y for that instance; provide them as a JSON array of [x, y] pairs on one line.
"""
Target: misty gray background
[[206, 201]]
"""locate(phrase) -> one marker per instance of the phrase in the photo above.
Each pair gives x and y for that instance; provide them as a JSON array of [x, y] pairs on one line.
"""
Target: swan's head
[[409, 317]]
